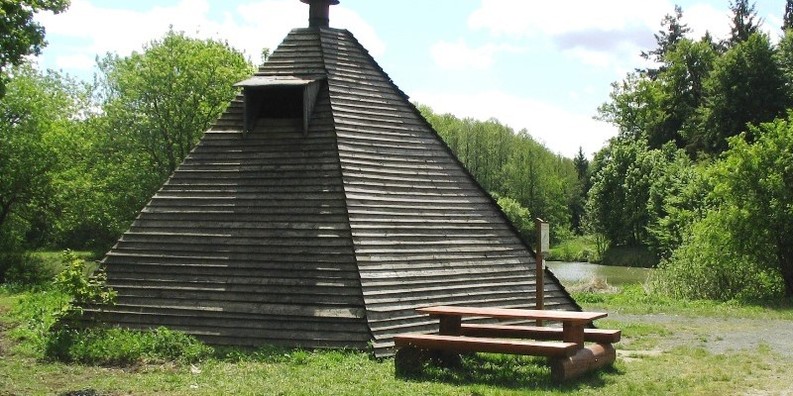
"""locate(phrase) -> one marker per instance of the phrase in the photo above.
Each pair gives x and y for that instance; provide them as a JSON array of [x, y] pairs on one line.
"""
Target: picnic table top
[[509, 313]]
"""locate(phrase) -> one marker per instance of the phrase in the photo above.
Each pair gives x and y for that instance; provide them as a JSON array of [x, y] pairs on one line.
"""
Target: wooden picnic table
[[565, 346], [573, 322]]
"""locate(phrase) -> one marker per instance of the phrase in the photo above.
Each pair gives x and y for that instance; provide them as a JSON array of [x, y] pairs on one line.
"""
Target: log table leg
[[573, 332], [450, 325], [585, 360]]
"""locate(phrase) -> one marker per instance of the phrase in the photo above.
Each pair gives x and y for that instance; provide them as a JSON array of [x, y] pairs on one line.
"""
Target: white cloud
[[248, 27], [703, 18], [460, 56], [526, 18], [558, 129]]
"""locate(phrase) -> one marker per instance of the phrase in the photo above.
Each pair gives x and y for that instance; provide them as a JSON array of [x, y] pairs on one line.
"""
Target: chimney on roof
[[319, 11]]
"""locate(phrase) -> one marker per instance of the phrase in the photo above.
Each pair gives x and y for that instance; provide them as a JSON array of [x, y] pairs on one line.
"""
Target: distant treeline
[[526, 178]]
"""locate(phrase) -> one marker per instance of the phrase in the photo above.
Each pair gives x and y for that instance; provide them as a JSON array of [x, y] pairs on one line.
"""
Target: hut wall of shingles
[[424, 231], [329, 239]]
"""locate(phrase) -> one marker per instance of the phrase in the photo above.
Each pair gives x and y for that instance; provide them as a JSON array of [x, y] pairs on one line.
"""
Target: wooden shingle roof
[[321, 239]]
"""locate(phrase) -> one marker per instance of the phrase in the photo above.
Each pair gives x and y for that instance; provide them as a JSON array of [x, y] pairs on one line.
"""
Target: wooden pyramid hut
[[318, 211]]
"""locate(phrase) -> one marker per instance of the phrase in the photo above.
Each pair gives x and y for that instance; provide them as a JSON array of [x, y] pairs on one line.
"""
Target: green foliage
[[707, 266], [743, 247], [22, 35], [578, 248], [622, 174], [161, 100], [629, 256], [519, 216], [745, 87], [35, 112], [155, 105], [122, 347], [37, 313], [515, 166], [25, 270], [744, 24], [83, 287]]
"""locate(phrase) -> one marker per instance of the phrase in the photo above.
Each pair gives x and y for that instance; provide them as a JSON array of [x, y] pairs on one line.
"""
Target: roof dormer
[[279, 97]]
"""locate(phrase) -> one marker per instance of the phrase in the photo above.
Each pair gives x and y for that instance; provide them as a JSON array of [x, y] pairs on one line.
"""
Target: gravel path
[[720, 335]]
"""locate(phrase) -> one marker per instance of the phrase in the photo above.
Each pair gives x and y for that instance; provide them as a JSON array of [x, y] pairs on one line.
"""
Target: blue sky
[[540, 66]]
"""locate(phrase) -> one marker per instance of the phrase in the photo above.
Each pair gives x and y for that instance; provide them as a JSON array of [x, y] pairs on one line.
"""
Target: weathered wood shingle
[[330, 238]]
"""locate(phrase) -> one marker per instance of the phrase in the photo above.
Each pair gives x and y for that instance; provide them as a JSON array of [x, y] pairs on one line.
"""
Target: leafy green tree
[[755, 181], [20, 35], [161, 100], [784, 57], [681, 86], [677, 198], [743, 246], [622, 173], [746, 86], [37, 109], [744, 22]]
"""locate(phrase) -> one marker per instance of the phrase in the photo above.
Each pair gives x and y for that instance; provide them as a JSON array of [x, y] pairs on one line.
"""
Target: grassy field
[[647, 364]]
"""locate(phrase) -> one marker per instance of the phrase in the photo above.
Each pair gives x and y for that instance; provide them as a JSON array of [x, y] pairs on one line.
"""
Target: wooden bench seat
[[459, 344], [601, 336]]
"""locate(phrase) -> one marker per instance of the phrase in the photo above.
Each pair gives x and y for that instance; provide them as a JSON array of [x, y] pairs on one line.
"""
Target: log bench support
[[568, 359]]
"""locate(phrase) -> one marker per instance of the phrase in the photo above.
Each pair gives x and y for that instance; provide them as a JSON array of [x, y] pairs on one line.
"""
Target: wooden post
[[542, 246]]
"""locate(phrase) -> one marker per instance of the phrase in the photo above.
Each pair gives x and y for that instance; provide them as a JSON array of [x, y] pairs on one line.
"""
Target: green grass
[[580, 248], [634, 299], [676, 370]]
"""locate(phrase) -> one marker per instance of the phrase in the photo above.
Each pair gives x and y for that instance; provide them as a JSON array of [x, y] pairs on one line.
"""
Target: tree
[[581, 164], [742, 248], [667, 39], [744, 24], [746, 86], [787, 22], [755, 184], [21, 35], [161, 100], [37, 109], [622, 174]]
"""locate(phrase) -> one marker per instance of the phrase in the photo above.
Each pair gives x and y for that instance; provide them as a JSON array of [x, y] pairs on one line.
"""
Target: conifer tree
[[744, 21]]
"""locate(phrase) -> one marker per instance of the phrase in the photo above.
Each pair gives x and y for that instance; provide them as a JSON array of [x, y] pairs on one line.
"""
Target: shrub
[[115, 346], [708, 266], [25, 270]]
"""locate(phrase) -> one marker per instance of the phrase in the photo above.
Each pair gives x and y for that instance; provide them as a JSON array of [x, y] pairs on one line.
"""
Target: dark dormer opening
[[279, 97], [289, 103]]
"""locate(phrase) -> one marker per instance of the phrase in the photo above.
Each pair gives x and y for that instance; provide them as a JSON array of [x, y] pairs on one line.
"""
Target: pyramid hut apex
[[318, 211]]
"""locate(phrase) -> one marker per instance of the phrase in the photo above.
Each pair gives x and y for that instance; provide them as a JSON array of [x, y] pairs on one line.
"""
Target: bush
[[25, 270], [708, 266], [630, 256], [582, 248], [115, 346]]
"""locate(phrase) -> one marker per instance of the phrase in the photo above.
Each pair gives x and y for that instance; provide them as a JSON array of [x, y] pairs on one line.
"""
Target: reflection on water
[[572, 273]]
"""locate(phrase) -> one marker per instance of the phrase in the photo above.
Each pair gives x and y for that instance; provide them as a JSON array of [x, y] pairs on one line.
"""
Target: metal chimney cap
[[331, 2]]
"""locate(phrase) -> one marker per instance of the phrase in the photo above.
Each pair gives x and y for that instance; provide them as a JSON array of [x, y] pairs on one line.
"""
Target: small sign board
[[545, 244]]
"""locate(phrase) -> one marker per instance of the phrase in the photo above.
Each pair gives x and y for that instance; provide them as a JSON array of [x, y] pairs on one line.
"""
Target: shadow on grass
[[505, 371]]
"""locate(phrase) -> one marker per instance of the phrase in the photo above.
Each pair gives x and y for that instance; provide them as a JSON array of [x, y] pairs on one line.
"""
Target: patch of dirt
[[720, 335]]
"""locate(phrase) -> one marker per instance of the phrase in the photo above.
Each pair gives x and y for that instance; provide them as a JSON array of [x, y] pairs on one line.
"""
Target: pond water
[[572, 273]]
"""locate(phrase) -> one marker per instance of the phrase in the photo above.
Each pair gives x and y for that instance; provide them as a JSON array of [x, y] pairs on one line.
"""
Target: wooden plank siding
[[321, 240], [424, 231], [249, 241]]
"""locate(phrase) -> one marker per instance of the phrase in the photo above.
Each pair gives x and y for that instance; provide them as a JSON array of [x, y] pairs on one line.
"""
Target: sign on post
[[543, 246]]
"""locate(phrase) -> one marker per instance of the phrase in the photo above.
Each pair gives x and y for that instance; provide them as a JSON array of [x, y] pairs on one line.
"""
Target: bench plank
[[461, 344], [508, 313], [602, 336]]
